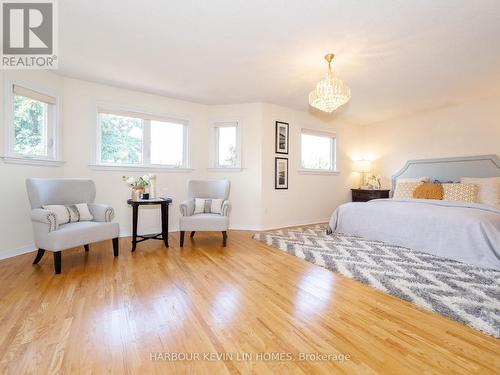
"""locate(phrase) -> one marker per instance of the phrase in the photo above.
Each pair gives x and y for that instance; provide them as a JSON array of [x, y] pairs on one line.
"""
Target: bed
[[466, 232]]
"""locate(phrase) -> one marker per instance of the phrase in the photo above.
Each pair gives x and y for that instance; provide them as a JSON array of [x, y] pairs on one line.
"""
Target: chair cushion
[[207, 206], [204, 222], [70, 213], [78, 234]]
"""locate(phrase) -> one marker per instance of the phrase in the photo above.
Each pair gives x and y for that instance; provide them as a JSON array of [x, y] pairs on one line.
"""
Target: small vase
[[136, 193], [152, 186]]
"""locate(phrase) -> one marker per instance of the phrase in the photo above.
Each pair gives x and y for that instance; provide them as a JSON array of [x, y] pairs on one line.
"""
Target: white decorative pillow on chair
[[208, 206], [70, 213]]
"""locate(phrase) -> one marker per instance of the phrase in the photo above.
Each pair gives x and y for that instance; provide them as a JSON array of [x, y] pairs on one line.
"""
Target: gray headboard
[[450, 169]]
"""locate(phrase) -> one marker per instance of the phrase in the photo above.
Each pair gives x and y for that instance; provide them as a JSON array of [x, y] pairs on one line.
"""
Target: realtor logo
[[28, 34]]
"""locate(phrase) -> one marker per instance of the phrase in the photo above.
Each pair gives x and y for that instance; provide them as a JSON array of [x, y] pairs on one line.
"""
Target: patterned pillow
[[428, 191], [460, 192], [404, 190], [489, 190], [70, 213], [208, 206]]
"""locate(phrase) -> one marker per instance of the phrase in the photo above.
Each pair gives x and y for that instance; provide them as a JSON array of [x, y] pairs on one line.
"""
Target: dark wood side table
[[163, 236], [362, 195]]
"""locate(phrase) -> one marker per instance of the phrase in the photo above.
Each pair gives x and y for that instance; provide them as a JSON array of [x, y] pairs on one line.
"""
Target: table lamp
[[362, 167]]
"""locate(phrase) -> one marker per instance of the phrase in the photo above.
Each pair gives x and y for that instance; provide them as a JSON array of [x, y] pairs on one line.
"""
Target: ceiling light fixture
[[330, 93]]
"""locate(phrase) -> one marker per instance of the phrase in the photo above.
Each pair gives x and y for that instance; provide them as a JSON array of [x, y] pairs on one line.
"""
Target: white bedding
[[467, 232]]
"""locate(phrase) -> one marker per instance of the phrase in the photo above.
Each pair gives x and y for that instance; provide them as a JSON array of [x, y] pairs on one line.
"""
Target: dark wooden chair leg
[[39, 256], [115, 246], [224, 238], [182, 238], [57, 262], [192, 234], [86, 247]]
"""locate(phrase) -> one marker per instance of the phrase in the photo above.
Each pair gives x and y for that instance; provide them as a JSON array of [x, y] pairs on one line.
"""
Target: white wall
[[309, 198], [468, 128], [246, 185], [15, 224], [80, 108], [256, 205]]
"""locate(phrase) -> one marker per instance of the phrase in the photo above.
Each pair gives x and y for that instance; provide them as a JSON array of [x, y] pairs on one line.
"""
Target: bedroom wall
[[256, 205], [310, 198], [15, 223], [468, 128]]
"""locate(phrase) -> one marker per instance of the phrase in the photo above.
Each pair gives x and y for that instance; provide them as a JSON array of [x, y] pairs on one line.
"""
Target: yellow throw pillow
[[428, 191], [460, 192], [404, 190]]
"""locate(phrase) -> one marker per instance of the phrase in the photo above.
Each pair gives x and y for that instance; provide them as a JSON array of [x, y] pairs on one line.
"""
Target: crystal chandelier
[[330, 93]]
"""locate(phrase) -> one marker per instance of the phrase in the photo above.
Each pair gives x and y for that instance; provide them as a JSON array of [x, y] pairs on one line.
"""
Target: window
[[132, 139], [317, 151], [227, 145], [32, 119]]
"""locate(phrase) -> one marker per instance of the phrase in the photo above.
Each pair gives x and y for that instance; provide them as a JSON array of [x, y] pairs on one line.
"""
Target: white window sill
[[237, 169], [148, 168], [318, 172], [32, 161]]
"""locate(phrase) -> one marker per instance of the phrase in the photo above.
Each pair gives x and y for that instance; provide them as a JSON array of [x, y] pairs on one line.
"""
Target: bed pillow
[[404, 190], [417, 179], [208, 206], [460, 192], [428, 191], [489, 190], [70, 213]]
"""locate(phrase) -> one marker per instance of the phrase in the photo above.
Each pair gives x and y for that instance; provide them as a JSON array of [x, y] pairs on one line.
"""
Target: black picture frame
[[278, 185], [280, 145]]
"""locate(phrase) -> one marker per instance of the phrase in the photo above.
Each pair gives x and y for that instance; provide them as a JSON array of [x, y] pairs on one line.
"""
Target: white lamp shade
[[362, 166]]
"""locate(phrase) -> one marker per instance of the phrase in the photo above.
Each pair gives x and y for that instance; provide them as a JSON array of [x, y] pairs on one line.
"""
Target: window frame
[[146, 117], [332, 136], [54, 115], [214, 164]]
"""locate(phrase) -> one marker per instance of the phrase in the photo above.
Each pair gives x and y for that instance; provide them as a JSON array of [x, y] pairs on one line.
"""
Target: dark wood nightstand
[[361, 195]]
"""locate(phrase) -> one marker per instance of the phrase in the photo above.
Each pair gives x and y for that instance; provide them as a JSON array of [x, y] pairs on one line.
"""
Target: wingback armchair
[[56, 237], [191, 221]]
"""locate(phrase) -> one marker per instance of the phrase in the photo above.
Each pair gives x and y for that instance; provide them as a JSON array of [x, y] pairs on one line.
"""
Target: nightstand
[[361, 195]]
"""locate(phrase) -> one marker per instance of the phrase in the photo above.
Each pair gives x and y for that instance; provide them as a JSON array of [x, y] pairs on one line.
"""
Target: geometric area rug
[[459, 291]]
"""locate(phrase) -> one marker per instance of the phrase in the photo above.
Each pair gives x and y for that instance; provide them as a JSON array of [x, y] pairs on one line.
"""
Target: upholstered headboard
[[450, 169]]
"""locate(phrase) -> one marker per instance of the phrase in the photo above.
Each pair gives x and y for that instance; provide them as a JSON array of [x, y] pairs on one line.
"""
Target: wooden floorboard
[[108, 315]]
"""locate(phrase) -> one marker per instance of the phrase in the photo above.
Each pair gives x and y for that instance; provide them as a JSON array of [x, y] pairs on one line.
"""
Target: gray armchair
[[56, 237], [206, 189]]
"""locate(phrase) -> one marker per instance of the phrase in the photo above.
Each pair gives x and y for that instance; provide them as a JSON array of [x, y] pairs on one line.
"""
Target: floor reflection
[[314, 292], [225, 306]]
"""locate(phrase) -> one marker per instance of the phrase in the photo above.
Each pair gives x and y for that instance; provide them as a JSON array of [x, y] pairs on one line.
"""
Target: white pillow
[[61, 212], [208, 206], [199, 206], [216, 206], [489, 189], [70, 213], [84, 212]]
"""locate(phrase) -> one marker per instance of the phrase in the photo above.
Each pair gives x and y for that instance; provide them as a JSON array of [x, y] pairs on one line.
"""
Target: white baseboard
[[255, 228], [9, 253]]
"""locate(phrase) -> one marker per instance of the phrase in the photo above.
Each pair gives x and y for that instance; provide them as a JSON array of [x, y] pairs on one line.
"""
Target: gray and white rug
[[465, 293]]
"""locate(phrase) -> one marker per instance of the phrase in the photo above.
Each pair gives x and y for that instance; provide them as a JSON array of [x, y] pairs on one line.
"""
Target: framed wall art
[[282, 135], [281, 173]]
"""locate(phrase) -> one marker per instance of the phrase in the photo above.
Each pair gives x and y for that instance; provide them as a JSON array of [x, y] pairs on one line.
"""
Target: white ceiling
[[397, 56]]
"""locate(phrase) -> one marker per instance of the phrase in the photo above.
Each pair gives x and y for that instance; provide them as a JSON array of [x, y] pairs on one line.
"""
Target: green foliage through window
[[30, 126], [121, 139]]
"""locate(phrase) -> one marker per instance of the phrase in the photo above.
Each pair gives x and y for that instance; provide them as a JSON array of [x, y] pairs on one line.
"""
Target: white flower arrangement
[[137, 182], [373, 181]]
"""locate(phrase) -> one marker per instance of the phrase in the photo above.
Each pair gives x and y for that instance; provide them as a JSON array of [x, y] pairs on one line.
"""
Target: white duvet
[[467, 232]]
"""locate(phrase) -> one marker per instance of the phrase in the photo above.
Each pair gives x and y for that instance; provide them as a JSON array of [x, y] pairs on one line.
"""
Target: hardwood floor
[[107, 315]]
